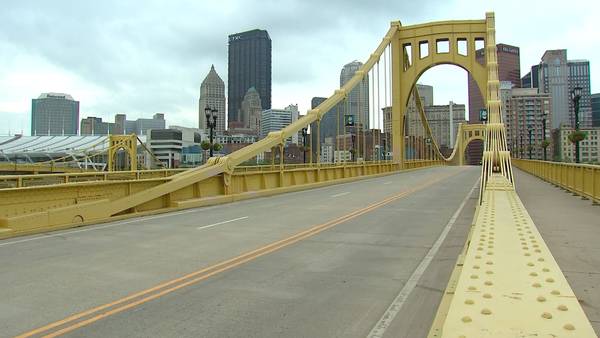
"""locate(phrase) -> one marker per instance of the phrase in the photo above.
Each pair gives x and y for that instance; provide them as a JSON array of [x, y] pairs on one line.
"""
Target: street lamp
[[521, 145], [575, 96], [544, 144], [304, 134], [530, 147], [211, 125]]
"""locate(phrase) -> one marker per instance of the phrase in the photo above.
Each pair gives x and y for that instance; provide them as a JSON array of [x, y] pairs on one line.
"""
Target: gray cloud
[[149, 56]]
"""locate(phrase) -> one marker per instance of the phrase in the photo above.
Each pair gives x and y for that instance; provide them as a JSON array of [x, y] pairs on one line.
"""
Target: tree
[[545, 144], [577, 136], [217, 146], [205, 145]]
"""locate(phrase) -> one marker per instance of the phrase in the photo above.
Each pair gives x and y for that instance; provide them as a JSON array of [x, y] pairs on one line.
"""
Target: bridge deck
[[301, 281], [337, 282]]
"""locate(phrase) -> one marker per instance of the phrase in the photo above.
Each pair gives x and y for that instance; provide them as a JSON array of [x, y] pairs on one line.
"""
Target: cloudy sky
[[142, 57]]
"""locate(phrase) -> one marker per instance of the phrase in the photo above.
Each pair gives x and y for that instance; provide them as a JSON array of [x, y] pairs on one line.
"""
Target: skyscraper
[[54, 114], [509, 69], [250, 112], [212, 94], [579, 76], [358, 99], [596, 110], [331, 123], [249, 66], [558, 76]]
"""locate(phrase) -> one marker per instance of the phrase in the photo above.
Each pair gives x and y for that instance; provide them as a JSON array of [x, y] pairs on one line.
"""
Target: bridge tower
[[127, 143]]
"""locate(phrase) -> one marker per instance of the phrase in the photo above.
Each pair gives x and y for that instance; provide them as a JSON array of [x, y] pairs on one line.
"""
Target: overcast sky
[[143, 57]]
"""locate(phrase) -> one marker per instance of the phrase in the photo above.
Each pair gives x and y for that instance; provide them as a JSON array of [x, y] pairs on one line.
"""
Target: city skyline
[[139, 73]]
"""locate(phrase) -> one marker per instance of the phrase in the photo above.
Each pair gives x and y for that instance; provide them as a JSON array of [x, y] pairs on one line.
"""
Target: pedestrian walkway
[[570, 227]]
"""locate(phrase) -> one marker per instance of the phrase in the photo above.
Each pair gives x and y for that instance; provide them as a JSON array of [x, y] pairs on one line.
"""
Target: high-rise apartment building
[[527, 111], [54, 114], [358, 98], [595, 99], [212, 95], [509, 69], [277, 119], [249, 66]]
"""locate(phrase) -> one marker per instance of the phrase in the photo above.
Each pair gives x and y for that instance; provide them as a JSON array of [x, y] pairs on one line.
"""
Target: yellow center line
[[202, 274]]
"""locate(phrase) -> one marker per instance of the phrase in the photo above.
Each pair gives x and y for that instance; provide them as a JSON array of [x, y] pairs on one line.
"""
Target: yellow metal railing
[[581, 179], [22, 181]]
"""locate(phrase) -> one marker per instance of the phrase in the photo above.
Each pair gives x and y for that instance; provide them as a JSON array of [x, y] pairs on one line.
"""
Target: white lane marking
[[386, 183], [394, 308], [341, 194], [142, 219], [215, 224]]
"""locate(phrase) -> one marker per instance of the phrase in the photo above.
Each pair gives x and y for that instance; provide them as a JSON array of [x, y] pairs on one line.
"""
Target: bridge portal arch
[[418, 48], [127, 143]]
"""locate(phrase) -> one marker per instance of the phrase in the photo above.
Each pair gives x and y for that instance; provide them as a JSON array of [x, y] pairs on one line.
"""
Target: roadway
[[318, 263]]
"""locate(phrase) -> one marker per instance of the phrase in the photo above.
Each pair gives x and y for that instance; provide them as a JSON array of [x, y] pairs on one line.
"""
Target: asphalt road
[[326, 262]]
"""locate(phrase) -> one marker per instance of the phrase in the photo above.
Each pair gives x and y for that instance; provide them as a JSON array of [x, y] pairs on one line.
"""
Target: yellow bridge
[[505, 283]]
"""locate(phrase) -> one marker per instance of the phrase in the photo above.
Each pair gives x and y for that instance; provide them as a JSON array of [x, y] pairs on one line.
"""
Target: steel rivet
[[569, 327], [547, 315], [541, 299], [466, 319], [562, 307], [550, 280], [555, 292], [486, 312], [469, 302]]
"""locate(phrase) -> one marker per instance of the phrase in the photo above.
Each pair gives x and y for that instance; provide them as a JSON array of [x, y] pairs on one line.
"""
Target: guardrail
[[22, 181], [39, 208], [581, 179]]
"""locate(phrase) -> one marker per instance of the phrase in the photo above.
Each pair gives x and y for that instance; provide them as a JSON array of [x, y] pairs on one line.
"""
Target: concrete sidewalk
[[570, 227]]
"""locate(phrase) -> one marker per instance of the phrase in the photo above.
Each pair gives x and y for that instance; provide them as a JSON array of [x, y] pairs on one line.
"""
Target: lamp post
[[544, 144], [575, 96], [529, 131], [211, 125], [304, 134], [521, 146]]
